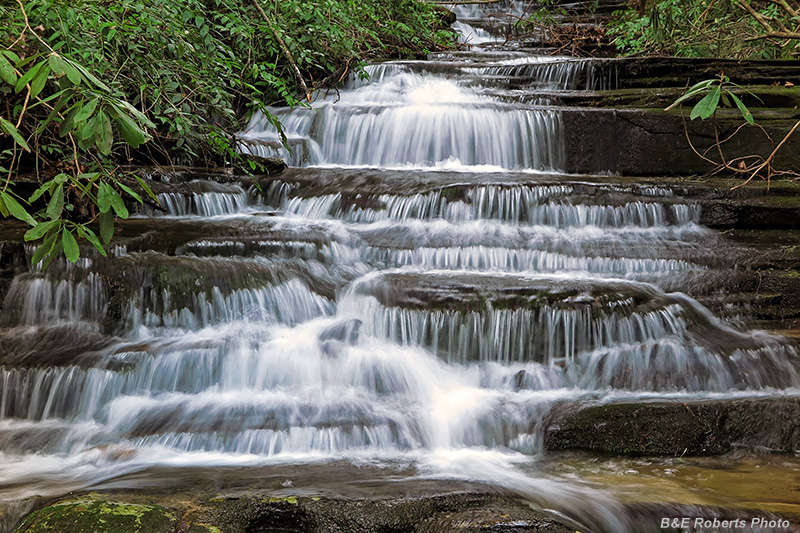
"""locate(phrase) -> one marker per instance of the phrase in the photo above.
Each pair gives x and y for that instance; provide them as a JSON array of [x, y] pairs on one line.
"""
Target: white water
[[297, 340]]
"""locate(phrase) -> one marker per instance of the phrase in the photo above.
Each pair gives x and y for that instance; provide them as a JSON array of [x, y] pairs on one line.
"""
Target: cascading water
[[434, 324]]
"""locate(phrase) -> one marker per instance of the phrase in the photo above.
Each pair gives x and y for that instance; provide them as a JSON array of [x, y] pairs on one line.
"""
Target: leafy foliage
[[89, 86], [740, 29], [717, 92]]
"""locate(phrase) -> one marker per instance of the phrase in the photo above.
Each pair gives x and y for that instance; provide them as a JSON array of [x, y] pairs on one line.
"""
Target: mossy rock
[[98, 516]]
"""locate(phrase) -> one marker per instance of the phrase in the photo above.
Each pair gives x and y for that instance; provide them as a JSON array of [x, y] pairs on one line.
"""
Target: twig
[[285, 50], [770, 158]]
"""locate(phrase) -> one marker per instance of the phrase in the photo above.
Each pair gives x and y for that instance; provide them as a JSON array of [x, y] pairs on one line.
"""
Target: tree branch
[[755, 14], [285, 50]]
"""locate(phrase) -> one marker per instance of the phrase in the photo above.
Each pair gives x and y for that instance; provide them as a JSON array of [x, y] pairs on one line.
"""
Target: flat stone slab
[[679, 428]]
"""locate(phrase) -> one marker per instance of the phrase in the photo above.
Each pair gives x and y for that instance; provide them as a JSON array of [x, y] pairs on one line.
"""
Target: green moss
[[290, 500], [97, 516]]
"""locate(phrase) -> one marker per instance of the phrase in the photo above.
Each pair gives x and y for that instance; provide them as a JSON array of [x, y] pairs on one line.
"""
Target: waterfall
[[371, 125], [424, 288]]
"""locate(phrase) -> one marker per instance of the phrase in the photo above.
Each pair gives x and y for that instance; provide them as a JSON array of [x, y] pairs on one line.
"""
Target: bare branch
[[755, 14]]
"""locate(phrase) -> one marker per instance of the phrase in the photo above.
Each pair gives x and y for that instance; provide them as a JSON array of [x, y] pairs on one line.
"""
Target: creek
[[424, 288]]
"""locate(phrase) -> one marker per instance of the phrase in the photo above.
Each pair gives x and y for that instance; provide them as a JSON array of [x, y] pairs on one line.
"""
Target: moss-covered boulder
[[98, 516]]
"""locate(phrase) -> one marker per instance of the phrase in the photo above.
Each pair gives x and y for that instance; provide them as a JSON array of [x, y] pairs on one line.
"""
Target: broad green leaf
[[86, 111], [39, 81], [72, 73], [28, 76], [90, 236], [707, 106], [88, 131], [56, 203], [14, 58], [56, 64], [69, 121], [106, 226], [694, 90], [71, 249], [46, 187], [748, 116], [118, 204], [53, 253], [130, 191], [88, 75], [40, 230], [16, 210], [7, 73], [104, 137], [12, 130], [104, 197], [44, 249], [147, 189], [138, 115], [3, 208], [129, 131]]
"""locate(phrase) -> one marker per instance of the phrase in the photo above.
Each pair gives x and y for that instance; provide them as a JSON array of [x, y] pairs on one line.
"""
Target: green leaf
[[130, 132], [44, 249], [104, 137], [87, 75], [53, 253], [46, 186], [56, 64], [71, 249], [748, 116], [12, 130], [694, 90], [72, 73], [69, 121], [38, 82], [10, 55], [138, 115], [106, 226], [56, 203], [3, 208], [39, 231], [28, 76], [16, 210], [130, 191], [90, 236], [118, 204], [104, 197], [7, 73], [147, 189], [707, 106], [86, 111]]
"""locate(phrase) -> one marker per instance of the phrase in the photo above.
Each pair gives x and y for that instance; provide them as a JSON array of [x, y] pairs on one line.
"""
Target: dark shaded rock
[[650, 142], [679, 428], [467, 512], [46, 346]]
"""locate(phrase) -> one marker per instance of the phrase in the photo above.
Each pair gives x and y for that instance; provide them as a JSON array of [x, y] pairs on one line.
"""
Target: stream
[[422, 289]]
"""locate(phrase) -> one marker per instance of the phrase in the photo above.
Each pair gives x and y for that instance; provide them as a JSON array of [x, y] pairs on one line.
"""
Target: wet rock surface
[[333, 498], [680, 428]]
